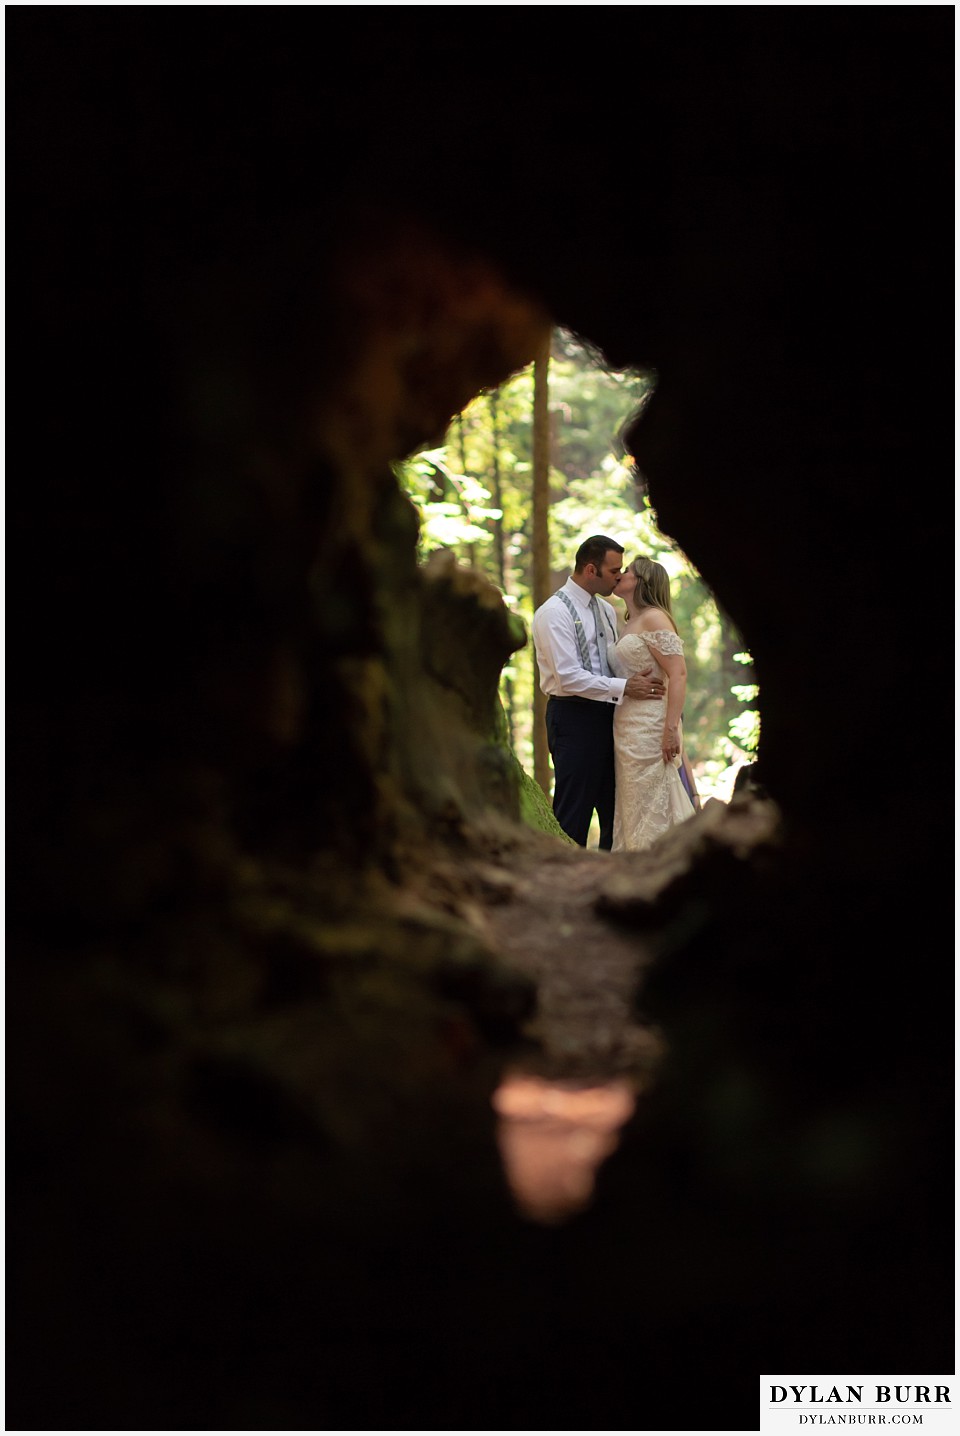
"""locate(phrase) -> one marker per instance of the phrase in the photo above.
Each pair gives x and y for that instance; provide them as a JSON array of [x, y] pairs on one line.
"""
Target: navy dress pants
[[580, 737]]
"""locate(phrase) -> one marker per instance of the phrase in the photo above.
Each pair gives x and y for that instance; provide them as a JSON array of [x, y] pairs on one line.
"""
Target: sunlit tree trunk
[[499, 539], [541, 546], [471, 548], [499, 545]]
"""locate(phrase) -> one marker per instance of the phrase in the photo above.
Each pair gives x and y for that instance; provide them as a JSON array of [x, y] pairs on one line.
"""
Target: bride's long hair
[[652, 590]]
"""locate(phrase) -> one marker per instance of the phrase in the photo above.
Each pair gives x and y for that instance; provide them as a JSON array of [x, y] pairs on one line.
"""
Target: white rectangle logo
[[830, 1405]]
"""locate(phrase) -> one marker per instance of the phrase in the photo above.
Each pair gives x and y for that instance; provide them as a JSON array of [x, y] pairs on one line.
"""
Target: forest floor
[[580, 927], [549, 945], [564, 917], [587, 971]]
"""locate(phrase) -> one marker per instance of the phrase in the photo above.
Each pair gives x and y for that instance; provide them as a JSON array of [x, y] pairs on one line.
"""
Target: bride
[[647, 737]]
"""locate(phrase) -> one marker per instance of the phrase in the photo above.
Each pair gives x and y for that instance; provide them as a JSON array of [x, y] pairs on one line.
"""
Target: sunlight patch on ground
[[553, 1137]]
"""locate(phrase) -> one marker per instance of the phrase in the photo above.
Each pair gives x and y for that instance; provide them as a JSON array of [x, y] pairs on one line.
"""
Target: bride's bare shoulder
[[653, 620]]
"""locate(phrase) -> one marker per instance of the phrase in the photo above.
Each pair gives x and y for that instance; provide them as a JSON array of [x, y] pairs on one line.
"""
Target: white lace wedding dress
[[650, 795]]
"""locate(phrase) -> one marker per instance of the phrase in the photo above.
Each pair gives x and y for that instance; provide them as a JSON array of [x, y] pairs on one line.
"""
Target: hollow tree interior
[[263, 986]]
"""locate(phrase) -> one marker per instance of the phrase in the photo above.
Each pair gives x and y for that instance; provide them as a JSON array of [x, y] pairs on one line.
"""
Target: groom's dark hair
[[594, 550]]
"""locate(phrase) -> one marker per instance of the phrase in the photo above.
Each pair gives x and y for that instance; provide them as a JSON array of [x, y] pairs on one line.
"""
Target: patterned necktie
[[601, 636]]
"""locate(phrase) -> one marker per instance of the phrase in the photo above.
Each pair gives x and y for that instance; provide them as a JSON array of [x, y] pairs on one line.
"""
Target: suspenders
[[581, 633]]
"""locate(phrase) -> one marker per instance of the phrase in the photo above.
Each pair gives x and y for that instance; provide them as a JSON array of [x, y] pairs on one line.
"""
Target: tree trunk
[[471, 548], [496, 489], [541, 548], [499, 541]]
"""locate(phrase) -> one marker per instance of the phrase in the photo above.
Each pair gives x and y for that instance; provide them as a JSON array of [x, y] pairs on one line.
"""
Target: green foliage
[[473, 496], [451, 506], [745, 729]]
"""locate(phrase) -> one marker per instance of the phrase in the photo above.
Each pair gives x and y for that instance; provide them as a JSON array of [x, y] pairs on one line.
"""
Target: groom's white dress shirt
[[562, 674]]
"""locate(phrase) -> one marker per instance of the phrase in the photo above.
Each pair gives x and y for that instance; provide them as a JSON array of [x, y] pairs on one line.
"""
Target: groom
[[572, 632]]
